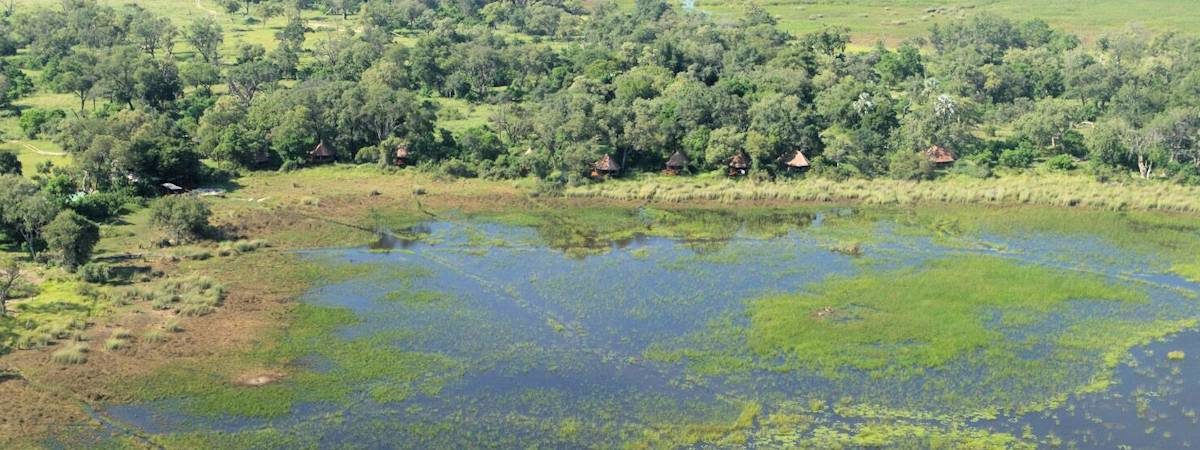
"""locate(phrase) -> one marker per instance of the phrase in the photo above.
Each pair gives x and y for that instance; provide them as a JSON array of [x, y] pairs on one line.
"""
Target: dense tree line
[[568, 83]]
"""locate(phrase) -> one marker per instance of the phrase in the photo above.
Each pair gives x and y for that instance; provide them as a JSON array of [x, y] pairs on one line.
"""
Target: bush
[[154, 336], [1018, 158], [9, 163], [97, 273], [37, 121], [1061, 163], [906, 165], [74, 354], [100, 206], [457, 168], [72, 237], [971, 167], [367, 155], [183, 218], [114, 344]]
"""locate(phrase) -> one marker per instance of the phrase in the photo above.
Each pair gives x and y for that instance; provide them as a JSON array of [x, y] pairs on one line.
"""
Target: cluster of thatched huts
[[739, 164], [322, 154]]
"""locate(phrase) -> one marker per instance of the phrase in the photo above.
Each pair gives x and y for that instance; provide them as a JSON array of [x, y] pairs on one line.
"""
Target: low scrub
[[73, 354], [114, 344], [191, 296], [1041, 189]]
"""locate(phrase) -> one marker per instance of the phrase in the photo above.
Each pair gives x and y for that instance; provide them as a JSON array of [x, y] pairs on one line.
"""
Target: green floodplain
[[646, 327]]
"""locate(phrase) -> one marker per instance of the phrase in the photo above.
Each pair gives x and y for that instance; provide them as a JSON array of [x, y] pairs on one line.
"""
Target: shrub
[[239, 247], [97, 273], [1175, 355], [154, 336], [114, 344], [9, 163], [101, 205], [1018, 158], [183, 218], [72, 237], [173, 326], [367, 155], [121, 333], [35, 122], [195, 296], [906, 165], [1061, 163], [74, 354]]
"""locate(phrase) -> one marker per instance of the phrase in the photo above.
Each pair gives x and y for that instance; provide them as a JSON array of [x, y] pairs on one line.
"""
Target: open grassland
[[894, 21], [1040, 189]]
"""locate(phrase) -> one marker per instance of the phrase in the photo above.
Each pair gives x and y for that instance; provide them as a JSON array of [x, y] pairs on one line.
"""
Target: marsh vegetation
[[714, 327]]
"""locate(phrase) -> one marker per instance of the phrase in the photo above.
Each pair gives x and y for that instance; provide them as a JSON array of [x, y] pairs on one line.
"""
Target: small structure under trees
[[939, 156], [401, 158], [676, 163], [261, 158], [321, 154], [605, 167], [739, 164], [171, 189], [794, 160]]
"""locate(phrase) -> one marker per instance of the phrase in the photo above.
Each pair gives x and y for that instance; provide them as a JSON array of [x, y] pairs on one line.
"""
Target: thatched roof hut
[[794, 160], [321, 153], [677, 161], [740, 161], [939, 155], [739, 164], [401, 156], [606, 165]]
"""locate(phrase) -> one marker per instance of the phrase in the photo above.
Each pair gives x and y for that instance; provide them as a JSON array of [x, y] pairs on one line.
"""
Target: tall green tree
[[72, 237]]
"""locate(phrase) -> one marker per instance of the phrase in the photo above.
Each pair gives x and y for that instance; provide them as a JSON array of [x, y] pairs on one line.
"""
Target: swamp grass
[[1018, 189], [382, 371], [900, 322]]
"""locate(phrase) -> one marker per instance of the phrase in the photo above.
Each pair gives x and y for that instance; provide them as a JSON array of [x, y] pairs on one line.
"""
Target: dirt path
[[206, 9], [39, 151]]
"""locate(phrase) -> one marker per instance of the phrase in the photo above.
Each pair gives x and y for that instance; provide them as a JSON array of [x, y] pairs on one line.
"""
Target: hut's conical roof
[[607, 164], [939, 154], [321, 151], [740, 161], [795, 159], [677, 159]]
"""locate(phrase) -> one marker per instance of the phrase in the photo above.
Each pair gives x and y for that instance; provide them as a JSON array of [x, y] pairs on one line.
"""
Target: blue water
[[547, 335]]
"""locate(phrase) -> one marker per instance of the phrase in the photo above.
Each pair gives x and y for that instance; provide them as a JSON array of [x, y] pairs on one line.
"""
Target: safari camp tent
[[940, 156], [401, 156], [676, 163], [605, 167], [739, 164], [321, 154], [794, 161]]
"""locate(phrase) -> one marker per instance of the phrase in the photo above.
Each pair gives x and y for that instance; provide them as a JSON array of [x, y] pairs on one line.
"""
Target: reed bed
[[1042, 189]]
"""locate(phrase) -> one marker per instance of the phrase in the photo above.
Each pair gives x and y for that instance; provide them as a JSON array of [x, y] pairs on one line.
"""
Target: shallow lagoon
[[501, 333]]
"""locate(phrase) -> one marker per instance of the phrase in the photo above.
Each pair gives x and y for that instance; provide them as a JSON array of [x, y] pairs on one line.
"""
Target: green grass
[[1043, 189], [375, 364], [902, 322], [72, 354], [894, 21], [114, 344], [57, 311]]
